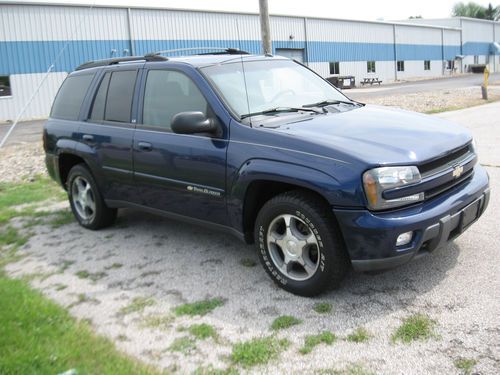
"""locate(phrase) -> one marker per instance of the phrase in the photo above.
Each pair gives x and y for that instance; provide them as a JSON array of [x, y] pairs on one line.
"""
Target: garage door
[[291, 53]]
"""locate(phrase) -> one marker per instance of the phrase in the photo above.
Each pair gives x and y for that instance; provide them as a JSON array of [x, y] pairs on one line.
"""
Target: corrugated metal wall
[[32, 36]]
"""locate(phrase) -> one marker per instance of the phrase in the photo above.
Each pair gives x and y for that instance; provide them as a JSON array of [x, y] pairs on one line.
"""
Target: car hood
[[380, 135]]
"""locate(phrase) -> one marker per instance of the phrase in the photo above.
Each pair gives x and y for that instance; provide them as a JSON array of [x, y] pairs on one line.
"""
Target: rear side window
[[70, 97], [120, 94], [99, 105]]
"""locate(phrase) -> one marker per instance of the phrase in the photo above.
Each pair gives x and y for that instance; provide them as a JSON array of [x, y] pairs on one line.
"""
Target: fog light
[[404, 238]]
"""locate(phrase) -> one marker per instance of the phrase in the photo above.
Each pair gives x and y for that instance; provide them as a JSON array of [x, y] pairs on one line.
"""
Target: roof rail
[[117, 60], [222, 51]]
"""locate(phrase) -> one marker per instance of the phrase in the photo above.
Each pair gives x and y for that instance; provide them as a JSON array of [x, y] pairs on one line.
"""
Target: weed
[[359, 335], [157, 321], [183, 345], [210, 370], [465, 364], [60, 218], [59, 287], [202, 331], [415, 327], [138, 305], [257, 351], [322, 307], [312, 341], [199, 307], [284, 321], [114, 266], [247, 262], [92, 276]]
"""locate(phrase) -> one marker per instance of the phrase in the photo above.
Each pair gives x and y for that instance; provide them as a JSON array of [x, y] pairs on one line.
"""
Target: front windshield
[[270, 84]]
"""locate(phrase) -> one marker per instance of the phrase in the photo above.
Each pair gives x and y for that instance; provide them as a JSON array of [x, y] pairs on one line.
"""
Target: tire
[[86, 201], [306, 268]]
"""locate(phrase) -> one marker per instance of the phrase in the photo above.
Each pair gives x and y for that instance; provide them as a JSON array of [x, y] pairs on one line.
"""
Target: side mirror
[[192, 123]]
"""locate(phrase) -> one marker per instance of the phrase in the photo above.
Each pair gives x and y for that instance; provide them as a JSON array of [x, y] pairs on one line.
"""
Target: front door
[[181, 174]]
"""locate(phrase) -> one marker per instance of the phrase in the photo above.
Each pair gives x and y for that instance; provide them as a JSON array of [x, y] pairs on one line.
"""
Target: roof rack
[[222, 51], [117, 60]]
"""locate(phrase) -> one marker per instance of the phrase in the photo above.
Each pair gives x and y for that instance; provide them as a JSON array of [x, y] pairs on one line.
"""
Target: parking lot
[[156, 264]]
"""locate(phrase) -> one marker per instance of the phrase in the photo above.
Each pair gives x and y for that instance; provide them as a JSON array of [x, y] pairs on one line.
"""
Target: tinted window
[[70, 97], [120, 94], [99, 104], [5, 89], [168, 93]]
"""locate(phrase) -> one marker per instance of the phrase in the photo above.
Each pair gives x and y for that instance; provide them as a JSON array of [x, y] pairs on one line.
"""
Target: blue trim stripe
[[35, 56], [478, 48]]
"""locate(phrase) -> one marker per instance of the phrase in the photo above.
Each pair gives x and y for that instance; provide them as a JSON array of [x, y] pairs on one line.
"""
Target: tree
[[474, 10]]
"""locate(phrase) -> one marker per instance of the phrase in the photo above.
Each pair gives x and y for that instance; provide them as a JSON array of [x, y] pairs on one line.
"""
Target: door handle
[[144, 146], [88, 137]]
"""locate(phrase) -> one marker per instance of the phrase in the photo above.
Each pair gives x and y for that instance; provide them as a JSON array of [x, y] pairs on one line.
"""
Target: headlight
[[473, 146], [378, 180]]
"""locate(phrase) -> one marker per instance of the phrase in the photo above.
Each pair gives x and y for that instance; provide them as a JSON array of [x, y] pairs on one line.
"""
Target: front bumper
[[370, 237]]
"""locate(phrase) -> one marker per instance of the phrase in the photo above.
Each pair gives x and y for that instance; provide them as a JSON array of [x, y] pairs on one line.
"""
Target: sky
[[351, 9]]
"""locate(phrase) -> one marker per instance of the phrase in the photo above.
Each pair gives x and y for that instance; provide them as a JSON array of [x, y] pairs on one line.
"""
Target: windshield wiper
[[324, 103], [279, 110]]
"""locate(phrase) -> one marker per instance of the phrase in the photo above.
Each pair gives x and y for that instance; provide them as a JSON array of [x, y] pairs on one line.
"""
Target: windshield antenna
[[243, 69]]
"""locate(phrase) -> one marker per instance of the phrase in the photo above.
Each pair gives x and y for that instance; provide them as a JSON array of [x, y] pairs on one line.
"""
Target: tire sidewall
[[320, 279]]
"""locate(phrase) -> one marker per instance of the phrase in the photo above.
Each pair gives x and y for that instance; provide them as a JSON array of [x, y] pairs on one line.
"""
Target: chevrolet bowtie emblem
[[457, 171]]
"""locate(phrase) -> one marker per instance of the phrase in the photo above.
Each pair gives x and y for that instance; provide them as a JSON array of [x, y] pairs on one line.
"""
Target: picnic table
[[370, 81]]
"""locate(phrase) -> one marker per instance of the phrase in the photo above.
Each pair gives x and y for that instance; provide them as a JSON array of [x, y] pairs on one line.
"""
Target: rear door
[[108, 132], [182, 174]]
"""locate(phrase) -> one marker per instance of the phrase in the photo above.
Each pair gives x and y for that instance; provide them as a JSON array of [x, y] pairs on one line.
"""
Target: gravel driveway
[[126, 280]]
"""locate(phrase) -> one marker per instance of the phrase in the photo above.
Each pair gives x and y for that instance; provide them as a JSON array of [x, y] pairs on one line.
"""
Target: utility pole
[[265, 29]]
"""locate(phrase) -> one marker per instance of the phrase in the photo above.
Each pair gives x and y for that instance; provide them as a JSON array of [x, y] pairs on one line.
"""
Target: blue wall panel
[[35, 57], [476, 48]]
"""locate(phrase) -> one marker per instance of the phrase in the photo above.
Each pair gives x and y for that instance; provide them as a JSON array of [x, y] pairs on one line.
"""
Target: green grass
[[92, 276], [39, 337], [359, 335], [284, 321], [182, 345], [312, 341], [114, 266], [199, 307], [15, 194], [257, 351], [60, 218], [157, 321], [465, 364], [210, 370], [415, 327], [322, 307], [247, 262], [202, 331], [138, 304]]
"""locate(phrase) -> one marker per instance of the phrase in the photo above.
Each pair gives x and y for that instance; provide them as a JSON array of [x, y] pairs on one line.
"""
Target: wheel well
[[258, 193], [66, 162]]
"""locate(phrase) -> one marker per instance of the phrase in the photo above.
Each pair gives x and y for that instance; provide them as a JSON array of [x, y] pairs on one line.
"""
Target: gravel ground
[[21, 162], [172, 263]]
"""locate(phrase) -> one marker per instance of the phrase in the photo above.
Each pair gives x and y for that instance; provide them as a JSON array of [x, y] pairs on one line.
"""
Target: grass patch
[[138, 304], [257, 351], [60, 218], [415, 327], [158, 321], [92, 276], [210, 370], [247, 262], [312, 341], [39, 337], [359, 335], [465, 364], [199, 307], [322, 307], [284, 321], [114, 266], [182, 345], [202, 331]]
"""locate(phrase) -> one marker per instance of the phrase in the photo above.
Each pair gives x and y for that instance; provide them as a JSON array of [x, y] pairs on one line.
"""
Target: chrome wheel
[[293, 247], [83, 198]]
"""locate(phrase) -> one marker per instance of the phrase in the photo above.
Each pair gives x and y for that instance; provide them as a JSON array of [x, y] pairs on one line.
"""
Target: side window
[[120, 94], [99, 104], [168, 93], [5, 89], [70, 97]]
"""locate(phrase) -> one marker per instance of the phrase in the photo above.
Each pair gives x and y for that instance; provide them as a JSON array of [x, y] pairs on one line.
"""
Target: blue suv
[[264, 148]]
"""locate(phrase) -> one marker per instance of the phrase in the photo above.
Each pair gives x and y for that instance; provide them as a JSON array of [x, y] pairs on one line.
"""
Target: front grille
[[444, 162]]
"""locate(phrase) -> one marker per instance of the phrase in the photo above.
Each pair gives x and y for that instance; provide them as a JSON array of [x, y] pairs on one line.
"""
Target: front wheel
[[299, 244], [86, 201]]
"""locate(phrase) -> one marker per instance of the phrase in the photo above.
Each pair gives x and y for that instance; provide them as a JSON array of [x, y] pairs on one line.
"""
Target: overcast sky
[[350, 9]]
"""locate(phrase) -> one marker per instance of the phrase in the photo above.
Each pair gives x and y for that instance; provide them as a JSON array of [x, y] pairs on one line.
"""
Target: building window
[[370, 66], [476, 59], [334, 67], [401, 66], [5, 89], [427, 65], [450, 64]]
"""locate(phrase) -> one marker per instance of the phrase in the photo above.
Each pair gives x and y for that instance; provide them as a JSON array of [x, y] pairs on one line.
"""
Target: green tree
[[474, 10]]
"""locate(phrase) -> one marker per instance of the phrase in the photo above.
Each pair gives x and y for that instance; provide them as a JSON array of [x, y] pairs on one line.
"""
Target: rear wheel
[[86, 201], [299, 244]]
